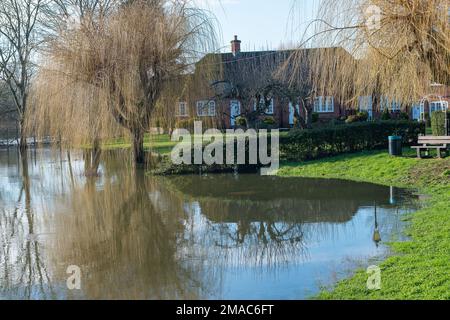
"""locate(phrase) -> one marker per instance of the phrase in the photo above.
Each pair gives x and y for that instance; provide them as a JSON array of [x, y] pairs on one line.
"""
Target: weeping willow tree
[[399, 48], [106, 73]]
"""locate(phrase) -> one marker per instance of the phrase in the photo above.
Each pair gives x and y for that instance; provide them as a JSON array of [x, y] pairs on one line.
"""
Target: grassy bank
[[156, 143], [419, 268]]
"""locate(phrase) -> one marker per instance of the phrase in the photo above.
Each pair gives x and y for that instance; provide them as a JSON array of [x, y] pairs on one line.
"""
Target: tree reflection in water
[[139, 237], [23, 271], [267, 222], [125, 235]]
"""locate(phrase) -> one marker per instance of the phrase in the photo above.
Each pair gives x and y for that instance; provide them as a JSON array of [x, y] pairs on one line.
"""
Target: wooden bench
[[431, 142]]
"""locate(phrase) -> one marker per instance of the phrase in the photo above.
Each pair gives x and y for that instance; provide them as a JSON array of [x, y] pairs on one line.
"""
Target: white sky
[[261, 24]]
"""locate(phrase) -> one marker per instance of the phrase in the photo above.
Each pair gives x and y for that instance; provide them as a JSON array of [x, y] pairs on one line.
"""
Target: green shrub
[[315, 117], [359, 117], [386, 115], [241, 121], [438, 123], [270, 121], [403, 116], [352, 119], [301, 145], [167, 167], [267, 123], [362, 116], [336, 122], [185, 124]]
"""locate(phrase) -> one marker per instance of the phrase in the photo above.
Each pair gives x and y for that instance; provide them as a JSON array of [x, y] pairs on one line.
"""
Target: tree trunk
[[308, 118], [22, 137], [138, 145], [92, 159], [308, 110], [96, 152]]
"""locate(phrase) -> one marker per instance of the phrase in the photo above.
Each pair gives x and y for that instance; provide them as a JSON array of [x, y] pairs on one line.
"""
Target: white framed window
[[202, 108], [365, 103], [182, 109], [417, 111], [396, 106], [324, 104], [329, 104], [206, 108], [384, 103], [318, 104], [390, 104], [270, 109], [438, 106], [212, 108], [235, 111]]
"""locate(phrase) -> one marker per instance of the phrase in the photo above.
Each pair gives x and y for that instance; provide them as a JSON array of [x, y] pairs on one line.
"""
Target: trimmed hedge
[[438, 123], [300, 145], [166, 167]]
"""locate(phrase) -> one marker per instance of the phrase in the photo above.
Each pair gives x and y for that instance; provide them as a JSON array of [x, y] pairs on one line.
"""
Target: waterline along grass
[[420, 267], [160, 144]]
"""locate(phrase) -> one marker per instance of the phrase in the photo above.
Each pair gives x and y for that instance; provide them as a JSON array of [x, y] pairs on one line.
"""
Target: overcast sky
[[262, 24]]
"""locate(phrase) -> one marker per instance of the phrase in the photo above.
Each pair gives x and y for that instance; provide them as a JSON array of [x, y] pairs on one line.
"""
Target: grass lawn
[[419, 268], [156, 143]]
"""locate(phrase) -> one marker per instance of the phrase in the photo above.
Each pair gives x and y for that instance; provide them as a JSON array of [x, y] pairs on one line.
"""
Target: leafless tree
[[401, 47], [119, 65], [19, 41], [249, 78], [66, 14], [7, 108]]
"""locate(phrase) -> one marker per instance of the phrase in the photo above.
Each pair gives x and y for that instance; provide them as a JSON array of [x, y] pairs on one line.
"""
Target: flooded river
[[132, 236]]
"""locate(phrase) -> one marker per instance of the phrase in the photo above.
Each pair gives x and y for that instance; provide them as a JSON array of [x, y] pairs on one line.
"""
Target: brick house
[[240, 75]]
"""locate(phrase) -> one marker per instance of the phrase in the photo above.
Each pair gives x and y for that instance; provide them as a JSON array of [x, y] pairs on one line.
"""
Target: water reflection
[[190, 237], [21, 251]]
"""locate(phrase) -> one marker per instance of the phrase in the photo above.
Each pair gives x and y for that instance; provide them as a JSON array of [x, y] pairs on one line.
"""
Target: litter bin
[[395, 146]]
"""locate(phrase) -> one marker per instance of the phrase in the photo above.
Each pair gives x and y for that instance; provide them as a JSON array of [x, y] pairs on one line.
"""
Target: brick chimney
[[235, 46]]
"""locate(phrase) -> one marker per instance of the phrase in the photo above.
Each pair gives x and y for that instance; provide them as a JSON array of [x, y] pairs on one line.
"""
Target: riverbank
[[156, 143], [419, 268]]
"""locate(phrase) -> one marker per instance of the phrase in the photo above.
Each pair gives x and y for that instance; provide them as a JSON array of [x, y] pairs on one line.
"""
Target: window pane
[[270, 108], [212, 108], [330, 104], [316, 105], [202, 109], [182, 108]]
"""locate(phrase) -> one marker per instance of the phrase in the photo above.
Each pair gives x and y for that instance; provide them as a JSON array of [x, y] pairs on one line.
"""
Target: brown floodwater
[[186, 237]]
